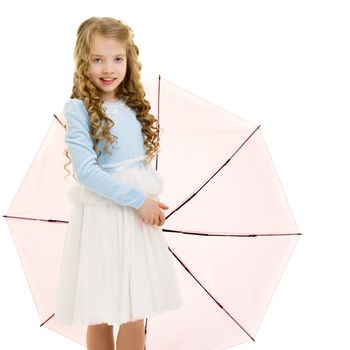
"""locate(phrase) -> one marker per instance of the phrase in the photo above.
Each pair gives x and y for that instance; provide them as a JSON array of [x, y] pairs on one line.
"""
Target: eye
[[118, 58]]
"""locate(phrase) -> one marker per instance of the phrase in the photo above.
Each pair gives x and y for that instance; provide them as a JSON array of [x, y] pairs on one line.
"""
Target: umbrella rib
[[178, 231], [215, 300], [201, 186], [158, 119], [47, 319], [27, 218], [230, 234], [58, 119]]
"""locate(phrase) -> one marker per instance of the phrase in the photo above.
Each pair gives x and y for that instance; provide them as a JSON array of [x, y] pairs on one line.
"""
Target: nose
[[107, 68]]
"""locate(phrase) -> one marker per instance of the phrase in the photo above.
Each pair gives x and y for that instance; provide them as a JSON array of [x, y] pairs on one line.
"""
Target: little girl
[[116, 268]]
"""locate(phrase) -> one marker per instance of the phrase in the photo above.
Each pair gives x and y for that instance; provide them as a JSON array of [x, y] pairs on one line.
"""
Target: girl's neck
[[114, 101]]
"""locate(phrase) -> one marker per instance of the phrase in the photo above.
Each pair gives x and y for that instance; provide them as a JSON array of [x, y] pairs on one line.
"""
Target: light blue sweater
[[84, 158]]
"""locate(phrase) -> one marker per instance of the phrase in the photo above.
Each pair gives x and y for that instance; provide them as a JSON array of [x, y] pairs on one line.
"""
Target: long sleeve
[[84, 159]]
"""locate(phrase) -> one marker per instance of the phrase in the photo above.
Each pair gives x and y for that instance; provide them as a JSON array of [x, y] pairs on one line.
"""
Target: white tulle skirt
[[114, 267]]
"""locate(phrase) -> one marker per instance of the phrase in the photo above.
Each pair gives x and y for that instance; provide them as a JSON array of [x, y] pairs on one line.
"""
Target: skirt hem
[[117, 323]]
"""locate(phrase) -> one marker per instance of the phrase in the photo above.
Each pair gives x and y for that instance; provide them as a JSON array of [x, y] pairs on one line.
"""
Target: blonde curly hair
[[130, 90]]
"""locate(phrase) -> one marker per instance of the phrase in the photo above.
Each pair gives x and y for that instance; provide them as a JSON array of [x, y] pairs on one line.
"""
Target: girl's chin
[[107, 88]]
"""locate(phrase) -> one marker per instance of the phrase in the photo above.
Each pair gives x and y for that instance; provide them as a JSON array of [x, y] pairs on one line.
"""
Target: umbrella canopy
[[229, 227]]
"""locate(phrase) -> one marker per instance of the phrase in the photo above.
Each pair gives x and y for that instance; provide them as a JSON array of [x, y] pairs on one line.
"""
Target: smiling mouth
[[107, 82]]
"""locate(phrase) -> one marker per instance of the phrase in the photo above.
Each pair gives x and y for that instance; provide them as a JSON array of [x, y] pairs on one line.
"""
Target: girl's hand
[[151, 213]]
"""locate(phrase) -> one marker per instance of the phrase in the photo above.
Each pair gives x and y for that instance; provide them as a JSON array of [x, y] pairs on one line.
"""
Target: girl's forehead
[[100, 42]]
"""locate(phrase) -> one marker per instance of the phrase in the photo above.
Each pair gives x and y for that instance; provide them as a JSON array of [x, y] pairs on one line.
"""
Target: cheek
[[122, 68], [93, 70]]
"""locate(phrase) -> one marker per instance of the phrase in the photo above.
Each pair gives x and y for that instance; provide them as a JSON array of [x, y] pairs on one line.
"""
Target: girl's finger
[[162, 218], [162, 205]]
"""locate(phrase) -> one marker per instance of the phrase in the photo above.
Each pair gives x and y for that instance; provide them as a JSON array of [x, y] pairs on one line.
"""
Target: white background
[[282, 64]]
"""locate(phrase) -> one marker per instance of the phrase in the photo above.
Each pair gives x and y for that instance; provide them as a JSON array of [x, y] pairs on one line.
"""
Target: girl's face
[[107, 60]]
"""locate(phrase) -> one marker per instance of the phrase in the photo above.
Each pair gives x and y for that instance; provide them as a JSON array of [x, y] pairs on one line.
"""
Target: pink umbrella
[[229, 226]]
